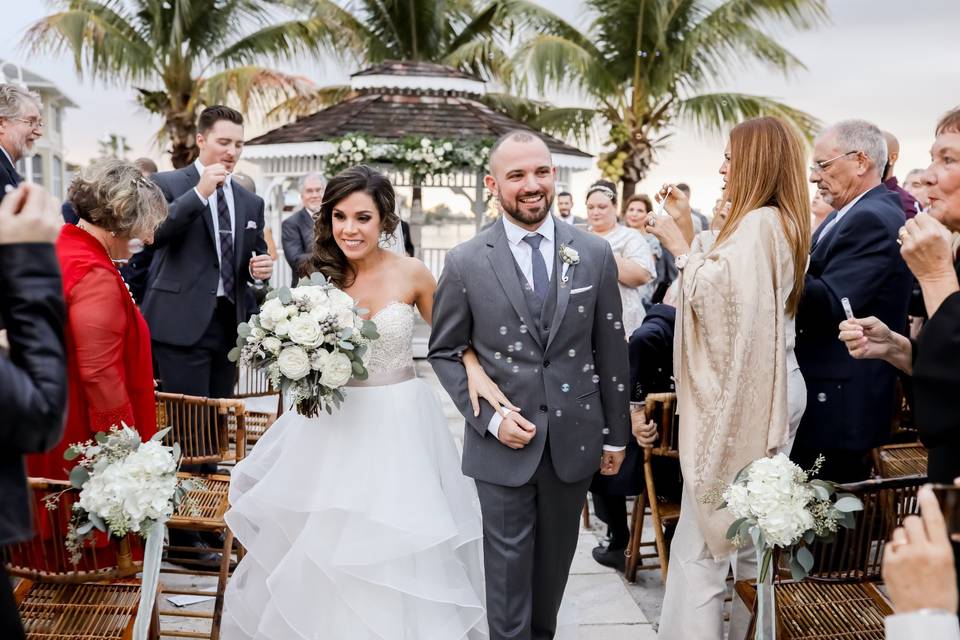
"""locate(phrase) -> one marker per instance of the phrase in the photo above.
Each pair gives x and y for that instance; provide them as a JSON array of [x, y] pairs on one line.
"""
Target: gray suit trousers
[[530, 534]]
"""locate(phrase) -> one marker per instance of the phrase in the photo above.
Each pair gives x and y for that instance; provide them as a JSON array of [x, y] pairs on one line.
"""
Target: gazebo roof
[[403, 103]]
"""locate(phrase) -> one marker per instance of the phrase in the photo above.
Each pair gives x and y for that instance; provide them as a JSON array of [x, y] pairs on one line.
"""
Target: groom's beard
[[527, 217]]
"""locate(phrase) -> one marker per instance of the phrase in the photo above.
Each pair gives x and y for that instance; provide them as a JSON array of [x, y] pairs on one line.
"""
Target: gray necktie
[[540, 280]]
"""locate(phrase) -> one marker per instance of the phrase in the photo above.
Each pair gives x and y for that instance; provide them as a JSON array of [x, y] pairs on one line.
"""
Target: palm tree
[[645, 66], [181, 55]]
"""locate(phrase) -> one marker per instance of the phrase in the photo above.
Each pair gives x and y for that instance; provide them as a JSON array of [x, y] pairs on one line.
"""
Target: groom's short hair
[[517, 135]]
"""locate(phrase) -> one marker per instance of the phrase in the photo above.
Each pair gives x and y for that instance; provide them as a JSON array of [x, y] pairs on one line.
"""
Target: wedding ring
[[651, 222]]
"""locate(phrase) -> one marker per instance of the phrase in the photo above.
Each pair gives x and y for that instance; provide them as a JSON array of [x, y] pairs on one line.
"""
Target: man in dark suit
[[20, 127], [33, 379], [202, 266], [297, 230], [855, 255]]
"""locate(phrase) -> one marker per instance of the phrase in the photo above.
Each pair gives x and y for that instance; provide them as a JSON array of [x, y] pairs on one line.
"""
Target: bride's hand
[[479, 385]]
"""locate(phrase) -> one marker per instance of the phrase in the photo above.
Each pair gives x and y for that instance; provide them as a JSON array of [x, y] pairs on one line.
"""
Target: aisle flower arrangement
[[782, 510], [125, 486], [420, 155], [311, 340]]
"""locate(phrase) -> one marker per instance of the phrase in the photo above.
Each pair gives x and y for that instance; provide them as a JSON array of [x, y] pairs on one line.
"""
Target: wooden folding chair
[[840, 598], [659, 407], [200, 426], [254, 383], [98, 597]]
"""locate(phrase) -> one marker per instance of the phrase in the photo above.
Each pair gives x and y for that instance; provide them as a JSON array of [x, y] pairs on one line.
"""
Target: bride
[[360, 524]]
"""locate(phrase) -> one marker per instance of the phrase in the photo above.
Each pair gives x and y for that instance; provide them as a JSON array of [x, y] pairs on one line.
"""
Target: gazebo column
[[417, 217], [479, 202]]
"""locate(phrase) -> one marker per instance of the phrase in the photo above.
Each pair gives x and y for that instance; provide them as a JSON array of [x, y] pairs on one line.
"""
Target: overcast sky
[[895, 62]]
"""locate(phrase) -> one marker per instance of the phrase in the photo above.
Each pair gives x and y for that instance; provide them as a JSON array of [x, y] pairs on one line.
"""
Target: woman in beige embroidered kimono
[[740, 394]]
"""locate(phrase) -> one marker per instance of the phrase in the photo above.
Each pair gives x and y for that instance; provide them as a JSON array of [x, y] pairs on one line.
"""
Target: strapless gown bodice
[[394, 349]]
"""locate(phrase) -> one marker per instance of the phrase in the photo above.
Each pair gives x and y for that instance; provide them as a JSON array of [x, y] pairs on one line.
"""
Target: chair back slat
[[252, 383], [45, 557], [200, 426], [661, 408], [857, 554]]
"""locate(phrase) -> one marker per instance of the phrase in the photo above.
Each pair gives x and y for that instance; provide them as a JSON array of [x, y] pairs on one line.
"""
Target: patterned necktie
[[540, 279], [226, 245]]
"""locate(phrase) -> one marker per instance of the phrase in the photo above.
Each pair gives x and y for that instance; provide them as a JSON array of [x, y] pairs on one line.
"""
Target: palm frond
[[519, 108], [282, 41], [311, 102], [554, 62], [715, 112], [570, 123], [252, 86]]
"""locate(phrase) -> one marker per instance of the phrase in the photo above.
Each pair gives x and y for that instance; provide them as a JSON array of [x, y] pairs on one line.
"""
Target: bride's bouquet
[[311, 340], [780, 508]]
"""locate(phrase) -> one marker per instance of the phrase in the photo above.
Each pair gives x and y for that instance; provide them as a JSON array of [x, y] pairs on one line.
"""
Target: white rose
[[318, 359], [339, 300], [294, 362], [272, 344], [346, 145], [311, 294], [305, 330], [447, 146], [282, 328], [337, 371], [345, 318], [271, 313], [361, 144]]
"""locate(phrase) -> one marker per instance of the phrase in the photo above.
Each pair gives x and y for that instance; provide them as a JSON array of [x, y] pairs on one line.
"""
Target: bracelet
[[680, 261]]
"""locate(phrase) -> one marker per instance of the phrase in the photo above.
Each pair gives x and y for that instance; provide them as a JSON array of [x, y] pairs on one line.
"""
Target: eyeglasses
[[35, 123], [819, 166]]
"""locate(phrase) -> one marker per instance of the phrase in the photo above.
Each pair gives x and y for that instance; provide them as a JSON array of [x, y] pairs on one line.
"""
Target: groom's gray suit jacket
[[568, 372]]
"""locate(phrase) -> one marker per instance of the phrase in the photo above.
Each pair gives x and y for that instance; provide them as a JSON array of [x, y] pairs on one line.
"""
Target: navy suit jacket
[[185, 270], [297, 239], [850, 402], [8, 175]]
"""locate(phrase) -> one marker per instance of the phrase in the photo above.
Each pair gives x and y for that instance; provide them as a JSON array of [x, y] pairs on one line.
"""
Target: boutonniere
[[569, 256]]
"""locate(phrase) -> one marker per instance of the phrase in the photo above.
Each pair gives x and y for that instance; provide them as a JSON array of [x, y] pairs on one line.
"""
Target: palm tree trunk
[[182, 130], [629, 188]]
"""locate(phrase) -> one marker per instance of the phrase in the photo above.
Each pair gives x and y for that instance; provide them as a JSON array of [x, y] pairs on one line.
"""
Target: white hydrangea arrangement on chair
[[782, 510], [311, 340], [125, 486]]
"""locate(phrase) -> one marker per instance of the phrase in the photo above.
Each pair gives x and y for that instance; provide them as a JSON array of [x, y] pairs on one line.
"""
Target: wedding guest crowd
[[20, 127], [297, 231]]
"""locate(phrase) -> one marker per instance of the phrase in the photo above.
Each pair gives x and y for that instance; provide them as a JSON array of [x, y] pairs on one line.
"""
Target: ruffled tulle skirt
[[357, 525]]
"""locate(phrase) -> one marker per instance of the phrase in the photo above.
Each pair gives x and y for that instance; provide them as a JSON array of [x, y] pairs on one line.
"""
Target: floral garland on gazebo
[[421, 156]]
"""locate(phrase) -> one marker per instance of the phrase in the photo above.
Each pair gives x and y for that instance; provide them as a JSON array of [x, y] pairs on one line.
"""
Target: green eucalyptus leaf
[[847, 503], [357, 368], [734, 528], [72, 453], [97, 522], [234, 354], [805, 558], [285, 296], [796, 569], [159, 435], [78, 477], [809, 536], [100, 437], [243, 329], [346, 346]]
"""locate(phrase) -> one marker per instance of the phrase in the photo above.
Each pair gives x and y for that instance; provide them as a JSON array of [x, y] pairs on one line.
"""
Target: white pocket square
[[574, 292], [251, 224]]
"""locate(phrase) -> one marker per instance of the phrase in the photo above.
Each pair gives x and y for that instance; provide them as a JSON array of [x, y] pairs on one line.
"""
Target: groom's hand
[[516, 431], [610, 462]]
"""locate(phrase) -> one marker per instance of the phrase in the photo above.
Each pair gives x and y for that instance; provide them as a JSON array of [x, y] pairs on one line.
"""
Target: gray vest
[[540, 316]]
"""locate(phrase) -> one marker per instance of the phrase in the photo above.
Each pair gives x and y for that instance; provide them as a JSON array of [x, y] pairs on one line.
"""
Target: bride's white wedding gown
[[359, 525]]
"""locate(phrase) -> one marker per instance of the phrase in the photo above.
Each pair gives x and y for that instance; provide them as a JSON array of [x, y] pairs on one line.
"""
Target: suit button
[[546, 363], [543, 408]]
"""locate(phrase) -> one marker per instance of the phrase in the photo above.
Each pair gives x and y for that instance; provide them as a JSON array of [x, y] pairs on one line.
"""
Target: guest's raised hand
[[867, 338], [516, 431], [261, 266], [29, 214], [665, 229], [918, 567], [925, 246], [676, 204], [213, 176], [610, 462]]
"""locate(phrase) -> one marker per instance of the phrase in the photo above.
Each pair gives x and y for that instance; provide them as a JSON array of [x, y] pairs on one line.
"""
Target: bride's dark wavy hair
[[328, 258]]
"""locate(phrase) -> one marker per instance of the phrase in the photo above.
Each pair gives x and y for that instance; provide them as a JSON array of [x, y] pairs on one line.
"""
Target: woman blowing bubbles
[[740, 394]]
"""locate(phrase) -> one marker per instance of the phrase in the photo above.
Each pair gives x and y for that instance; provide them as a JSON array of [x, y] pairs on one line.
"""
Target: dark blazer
[[8, 175], [297, 239], [33, 380], [936, 389], [850, 402], [407, 240], [69, 213], [185, 271]]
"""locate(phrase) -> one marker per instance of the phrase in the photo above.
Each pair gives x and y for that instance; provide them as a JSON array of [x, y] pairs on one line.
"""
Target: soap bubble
[[595, 378], [503, 331], [565, 387], [518, 346], [523, 328], [572, 353], [586, 368], [587, 407], [609, 316], [606, 431], [516, 369], [617, 325], [620, 387], [558, 413], [580, 309], [497, 355]]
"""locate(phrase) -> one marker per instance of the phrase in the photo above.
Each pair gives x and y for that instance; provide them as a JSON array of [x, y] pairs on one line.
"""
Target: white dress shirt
[[211, 202], [932, 625], [523, 254], [840, 214]]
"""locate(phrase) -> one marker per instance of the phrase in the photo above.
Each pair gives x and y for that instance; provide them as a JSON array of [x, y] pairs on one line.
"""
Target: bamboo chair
[[200, 426], [840, 598], [93, 599], [659, 407], [899, 460], [254, 383]]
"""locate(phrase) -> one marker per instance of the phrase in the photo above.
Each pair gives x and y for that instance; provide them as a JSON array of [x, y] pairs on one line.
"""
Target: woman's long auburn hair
[[767, 170]]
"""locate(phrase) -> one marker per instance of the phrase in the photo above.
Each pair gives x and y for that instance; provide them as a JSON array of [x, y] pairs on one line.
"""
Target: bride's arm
[[479, 384]]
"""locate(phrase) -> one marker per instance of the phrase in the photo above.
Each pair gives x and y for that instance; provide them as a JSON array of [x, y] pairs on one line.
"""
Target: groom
[[538, 301]]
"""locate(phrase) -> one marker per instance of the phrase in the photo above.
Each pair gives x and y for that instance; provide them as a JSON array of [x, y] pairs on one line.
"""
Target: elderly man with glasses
[[20, 126], [855, 256]]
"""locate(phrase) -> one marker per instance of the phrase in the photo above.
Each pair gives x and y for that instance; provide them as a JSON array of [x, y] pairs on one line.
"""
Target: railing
[[434, 259]]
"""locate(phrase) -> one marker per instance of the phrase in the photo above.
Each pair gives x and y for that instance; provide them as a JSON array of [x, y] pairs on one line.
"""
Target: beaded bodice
[[394, 349]]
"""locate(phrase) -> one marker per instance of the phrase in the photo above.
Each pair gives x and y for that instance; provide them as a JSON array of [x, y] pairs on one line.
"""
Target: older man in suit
[[20, 127], [855, 255], [297, 230], [203, 267]]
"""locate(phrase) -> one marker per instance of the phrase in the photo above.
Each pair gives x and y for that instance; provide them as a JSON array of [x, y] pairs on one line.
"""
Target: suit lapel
[[239, 225], [504, 266], [11, 170], [191, 178], [562, 235]]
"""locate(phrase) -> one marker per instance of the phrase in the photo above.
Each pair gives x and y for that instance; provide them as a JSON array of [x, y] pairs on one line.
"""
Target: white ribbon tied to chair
[[150, 579]]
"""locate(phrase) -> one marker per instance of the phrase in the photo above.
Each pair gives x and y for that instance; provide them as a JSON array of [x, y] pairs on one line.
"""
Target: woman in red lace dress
[[110, 373]]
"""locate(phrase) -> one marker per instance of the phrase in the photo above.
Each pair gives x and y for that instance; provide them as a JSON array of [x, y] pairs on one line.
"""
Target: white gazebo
[[392, 102]]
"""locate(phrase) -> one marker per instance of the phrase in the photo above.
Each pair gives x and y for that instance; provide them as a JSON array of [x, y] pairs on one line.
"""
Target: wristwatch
[[680, 261]]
